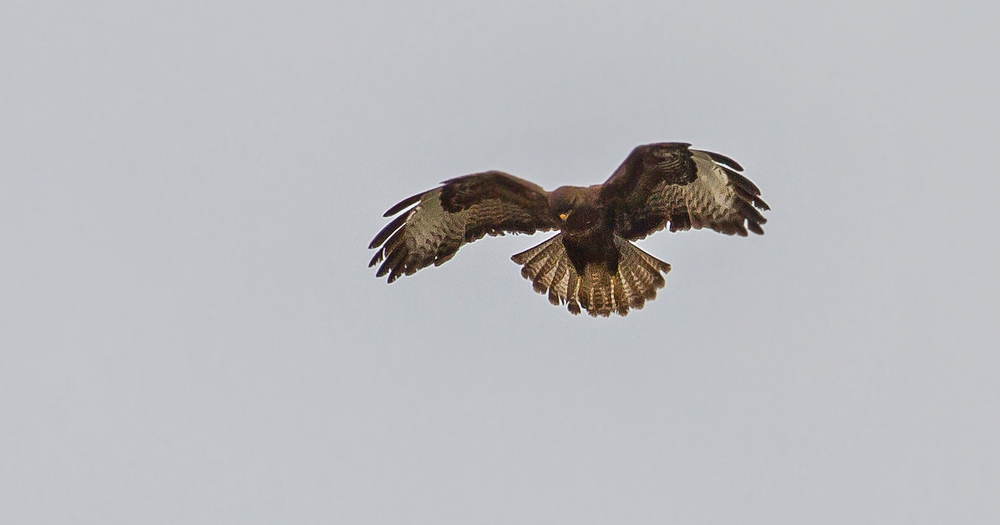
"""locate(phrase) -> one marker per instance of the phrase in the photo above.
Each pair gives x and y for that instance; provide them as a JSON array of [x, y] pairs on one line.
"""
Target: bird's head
[[577, 212], [564, 200]]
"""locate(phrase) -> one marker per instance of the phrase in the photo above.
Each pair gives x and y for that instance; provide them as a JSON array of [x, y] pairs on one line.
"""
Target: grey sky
[[190, 333]]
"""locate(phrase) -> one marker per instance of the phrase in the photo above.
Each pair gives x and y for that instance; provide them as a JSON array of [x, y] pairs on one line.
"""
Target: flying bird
[[591, 264]]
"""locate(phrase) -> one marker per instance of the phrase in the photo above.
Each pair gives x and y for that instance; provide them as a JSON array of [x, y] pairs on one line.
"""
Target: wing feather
[[459, 211], [670, 185]]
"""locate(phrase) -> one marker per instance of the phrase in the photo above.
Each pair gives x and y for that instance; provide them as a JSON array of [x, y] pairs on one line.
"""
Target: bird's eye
[[563, 215]]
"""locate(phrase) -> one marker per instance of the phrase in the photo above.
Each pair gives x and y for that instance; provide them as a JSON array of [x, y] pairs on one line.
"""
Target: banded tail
[[550, 271]]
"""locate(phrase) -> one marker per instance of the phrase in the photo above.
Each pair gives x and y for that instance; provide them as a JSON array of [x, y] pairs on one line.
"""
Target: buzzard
[[591, 264]]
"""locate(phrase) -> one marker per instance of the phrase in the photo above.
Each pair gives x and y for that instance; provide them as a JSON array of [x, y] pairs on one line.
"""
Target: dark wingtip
[[724, 160], [391, 228], [403, 204]]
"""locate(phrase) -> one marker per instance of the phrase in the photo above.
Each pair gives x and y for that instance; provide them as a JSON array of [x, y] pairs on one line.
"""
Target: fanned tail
[[550, 271]]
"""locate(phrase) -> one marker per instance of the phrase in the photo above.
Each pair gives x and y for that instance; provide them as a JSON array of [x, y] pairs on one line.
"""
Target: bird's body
[[591, 263]]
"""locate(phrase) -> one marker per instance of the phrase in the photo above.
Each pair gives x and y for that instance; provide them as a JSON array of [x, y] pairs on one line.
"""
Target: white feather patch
[[713, 179]]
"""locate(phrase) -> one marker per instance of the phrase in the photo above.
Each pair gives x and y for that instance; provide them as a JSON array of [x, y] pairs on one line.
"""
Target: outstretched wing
[[461, 210], [669, 184]]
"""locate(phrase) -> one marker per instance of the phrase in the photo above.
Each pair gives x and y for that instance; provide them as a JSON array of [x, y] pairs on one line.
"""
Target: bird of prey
[[591, 264]]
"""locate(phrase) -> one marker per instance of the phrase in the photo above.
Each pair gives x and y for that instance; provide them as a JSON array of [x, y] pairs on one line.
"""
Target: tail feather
[[629, 288], [599, 292], [544, 274], [645, 269], [558, 290], [572, 292], [619, 296]]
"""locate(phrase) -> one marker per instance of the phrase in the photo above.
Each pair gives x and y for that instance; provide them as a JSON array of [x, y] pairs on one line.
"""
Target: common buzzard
[[591, 264]]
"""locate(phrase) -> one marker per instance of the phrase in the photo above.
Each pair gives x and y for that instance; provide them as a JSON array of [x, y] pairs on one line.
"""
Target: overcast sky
[[189, 332]]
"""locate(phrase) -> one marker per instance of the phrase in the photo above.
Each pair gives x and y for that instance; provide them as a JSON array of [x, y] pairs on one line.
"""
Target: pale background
[[190, 333]]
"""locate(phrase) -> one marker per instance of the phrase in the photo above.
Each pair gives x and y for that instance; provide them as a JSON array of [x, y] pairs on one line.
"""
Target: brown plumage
[[591, 264]]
